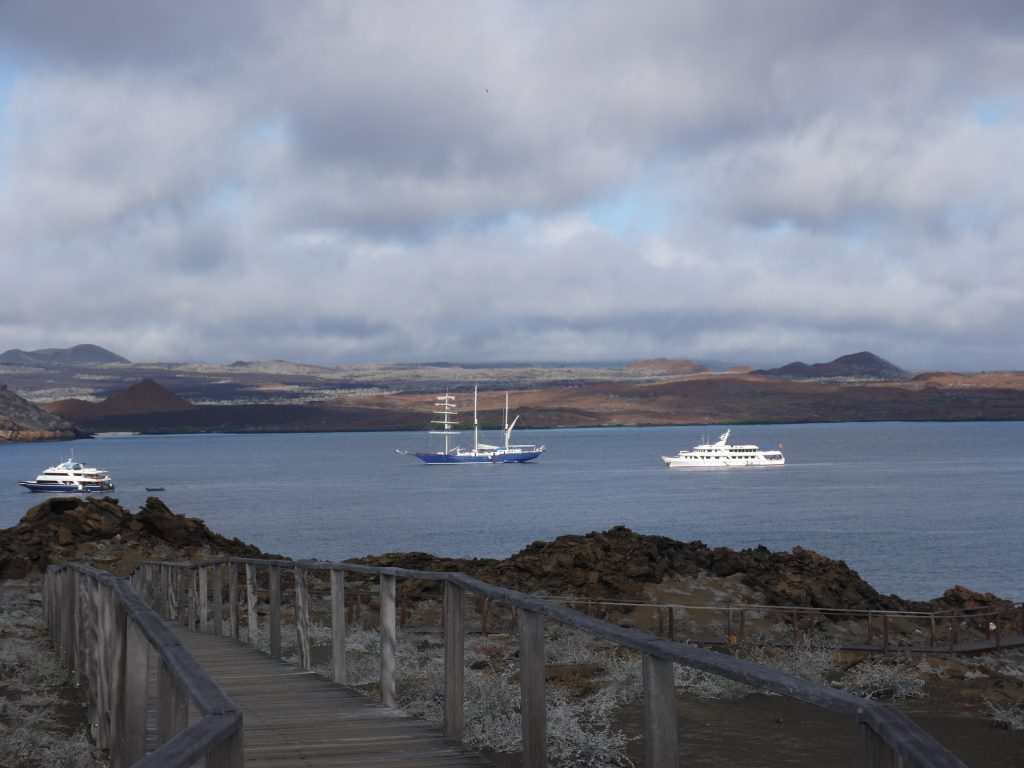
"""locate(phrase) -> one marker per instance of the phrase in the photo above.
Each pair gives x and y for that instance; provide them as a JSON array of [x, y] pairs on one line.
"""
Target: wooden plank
[[293, 718], [388, 640], [275, 611], [218, 602], [660, 736], [204, 608], [302, 618], [250, 604], [136, 682], [531, 683], [337, 624], [233, 598], [454, 659]]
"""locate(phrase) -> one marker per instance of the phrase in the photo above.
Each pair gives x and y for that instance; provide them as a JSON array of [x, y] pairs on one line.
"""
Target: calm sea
[[915, 508]]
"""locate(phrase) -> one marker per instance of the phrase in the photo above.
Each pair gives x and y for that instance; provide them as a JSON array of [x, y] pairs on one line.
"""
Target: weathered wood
[[233, 598], [193, 597], [252, 620], [136, 681], [660, 735], [454, 659], [171, 705], [874, 752], [118, 658], [302, 618], [388, 640], [531, 687], [337, 624], [218, 602], [204, 606], [228, 754], [275, 611]]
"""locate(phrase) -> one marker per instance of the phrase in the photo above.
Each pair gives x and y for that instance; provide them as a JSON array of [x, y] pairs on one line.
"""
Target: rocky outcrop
[[621, 564], [21, 420], [102, 532]]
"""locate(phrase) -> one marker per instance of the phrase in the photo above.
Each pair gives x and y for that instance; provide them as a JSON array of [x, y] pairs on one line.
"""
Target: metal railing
[[105, 633], [887, 736]]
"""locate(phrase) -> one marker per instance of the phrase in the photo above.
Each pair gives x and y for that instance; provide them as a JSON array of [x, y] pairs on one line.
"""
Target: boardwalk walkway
[[297, 718]]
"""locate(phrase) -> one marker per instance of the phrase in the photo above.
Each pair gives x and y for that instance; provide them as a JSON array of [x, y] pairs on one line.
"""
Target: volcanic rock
[[21, 420], [67, 529]]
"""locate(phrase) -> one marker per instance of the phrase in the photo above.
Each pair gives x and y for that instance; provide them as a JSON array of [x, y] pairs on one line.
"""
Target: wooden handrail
[[886, 733], [103, 629]]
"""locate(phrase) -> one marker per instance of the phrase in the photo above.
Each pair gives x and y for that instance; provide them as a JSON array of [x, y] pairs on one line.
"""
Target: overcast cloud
[[409, 181]]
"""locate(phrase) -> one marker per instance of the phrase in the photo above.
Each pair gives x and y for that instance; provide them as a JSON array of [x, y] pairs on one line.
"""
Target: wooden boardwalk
[[297, 718]]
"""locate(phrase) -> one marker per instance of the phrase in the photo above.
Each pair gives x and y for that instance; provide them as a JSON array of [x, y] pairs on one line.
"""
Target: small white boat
[[721, 454], [70, 477]]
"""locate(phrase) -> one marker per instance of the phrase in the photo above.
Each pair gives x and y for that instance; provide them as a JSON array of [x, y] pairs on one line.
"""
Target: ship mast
[[446, 403]]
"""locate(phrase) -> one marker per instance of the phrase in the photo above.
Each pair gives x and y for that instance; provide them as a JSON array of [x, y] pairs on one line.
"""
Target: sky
[[335, 182]]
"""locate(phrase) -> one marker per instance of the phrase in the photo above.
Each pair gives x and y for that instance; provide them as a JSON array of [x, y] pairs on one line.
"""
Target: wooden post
[[218, 602], [181, 585], [871, 633], [999, 634], [531, 686], [728, 623], [954, 626], [874, 752], [275, 611], [931, 630], [171, 705], [229, 754], [743, 622], [795, 628], [204, 606], [660, 737], [885, 634], [671, 623], [484, 615], [233, 597], [252, 618], [302, 618], [388, 640], [118, 648], [661, 621], [136, 680], [454, 659], [338, 624], [193, 597]]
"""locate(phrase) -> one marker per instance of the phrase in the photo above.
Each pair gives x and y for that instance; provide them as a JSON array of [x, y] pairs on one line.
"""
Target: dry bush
[[894, 678], [32, 733]]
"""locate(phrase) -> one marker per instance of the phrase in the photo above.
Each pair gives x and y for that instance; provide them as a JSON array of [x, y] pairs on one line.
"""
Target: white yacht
[[721, 454], [70, 477]]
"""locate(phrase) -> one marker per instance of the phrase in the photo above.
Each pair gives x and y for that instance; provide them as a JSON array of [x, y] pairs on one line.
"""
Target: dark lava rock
[[68, 528]]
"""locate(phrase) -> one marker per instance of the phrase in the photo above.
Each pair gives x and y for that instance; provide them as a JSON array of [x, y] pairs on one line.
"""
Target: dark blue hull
[[55, 488], [512, 457]]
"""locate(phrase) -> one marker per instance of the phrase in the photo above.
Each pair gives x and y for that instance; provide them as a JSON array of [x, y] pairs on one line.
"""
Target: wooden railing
[[105, 633], [887, 736], [940, 631]]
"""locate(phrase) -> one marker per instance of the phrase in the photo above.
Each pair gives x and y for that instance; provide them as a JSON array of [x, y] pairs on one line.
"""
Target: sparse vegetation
[[41, 725]]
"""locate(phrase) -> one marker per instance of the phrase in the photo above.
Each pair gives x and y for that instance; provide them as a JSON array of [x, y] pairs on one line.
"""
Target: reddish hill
[[145, 397]]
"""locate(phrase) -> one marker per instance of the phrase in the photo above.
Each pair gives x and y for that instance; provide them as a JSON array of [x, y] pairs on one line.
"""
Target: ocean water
[[913, 507]]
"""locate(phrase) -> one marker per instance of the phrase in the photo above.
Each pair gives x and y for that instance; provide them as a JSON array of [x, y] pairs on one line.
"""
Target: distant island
[[57, 394]]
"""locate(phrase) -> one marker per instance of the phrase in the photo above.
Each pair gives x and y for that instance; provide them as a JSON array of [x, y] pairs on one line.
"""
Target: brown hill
[[145, 397]]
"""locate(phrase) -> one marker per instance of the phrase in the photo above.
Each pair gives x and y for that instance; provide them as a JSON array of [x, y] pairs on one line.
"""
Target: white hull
[[721, 455]]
